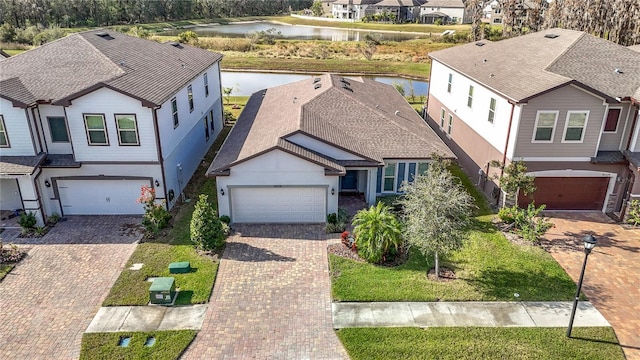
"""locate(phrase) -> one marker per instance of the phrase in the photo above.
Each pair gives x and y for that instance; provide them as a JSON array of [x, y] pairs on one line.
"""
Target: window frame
[[213, 125], [604, 129], [443, 114], [135, 124], [206, 85], [4, 133], [450, 124], [104, 129], [190, 97], [385, 176], [450, 83], [470, 97], [584, 127], [206, 128], [174, 112], [66, 129], [553, 128], [491, 117]]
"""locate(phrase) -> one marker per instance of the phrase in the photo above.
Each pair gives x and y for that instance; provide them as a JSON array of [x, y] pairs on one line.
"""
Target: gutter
[[160, 158], [506, 146]]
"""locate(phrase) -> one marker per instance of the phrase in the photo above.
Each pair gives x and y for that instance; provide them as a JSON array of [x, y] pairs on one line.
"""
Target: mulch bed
[[446, 275], [343, 251]]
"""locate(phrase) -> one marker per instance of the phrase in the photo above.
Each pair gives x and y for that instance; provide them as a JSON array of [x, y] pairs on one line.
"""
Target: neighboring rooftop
[[523, 67], [443, 3], [364, 117], [82, 62]]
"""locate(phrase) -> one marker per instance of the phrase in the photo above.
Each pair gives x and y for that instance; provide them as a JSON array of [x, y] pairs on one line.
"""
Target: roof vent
[[317, 86], [479, 43], [316, 80], [175, 44], [397, 113], [104, 35], [551, 36], [344, 81], [618, 71], [344, 86]]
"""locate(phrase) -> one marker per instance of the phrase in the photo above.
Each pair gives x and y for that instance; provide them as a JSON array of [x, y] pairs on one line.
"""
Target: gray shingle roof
[[20, 165], [523, 67], [444, 3], [63, 69], [366, 118]]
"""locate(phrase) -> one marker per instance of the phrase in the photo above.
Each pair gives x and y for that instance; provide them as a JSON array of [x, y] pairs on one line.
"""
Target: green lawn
[[131, 288], [480, 343], [488, 268], [5, 269], [169, 345]]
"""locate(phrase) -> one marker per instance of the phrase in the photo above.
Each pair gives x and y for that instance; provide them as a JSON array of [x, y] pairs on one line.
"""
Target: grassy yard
[[131, 288], [169, 345], [487, 268], [5, 269], [480, 343], [240, 101]]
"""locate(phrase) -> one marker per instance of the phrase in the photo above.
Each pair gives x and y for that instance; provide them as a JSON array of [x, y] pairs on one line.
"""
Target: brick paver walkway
[[271, 299], [49, 299], [612, 278]]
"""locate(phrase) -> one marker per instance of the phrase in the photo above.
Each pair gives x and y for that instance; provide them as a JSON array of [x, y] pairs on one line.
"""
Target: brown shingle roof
[[364, 117], [20, 165], [66, 68], [523, 67]]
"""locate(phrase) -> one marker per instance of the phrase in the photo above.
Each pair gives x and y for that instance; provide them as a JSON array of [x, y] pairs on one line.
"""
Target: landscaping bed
[[10, 256]]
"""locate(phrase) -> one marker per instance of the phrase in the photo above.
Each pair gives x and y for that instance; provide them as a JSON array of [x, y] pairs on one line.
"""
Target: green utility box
[[162, 291], [179, 267]]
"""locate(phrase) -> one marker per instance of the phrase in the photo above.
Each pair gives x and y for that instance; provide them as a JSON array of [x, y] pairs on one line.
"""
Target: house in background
[[352, 9], [493, 13], [447, 11], [563, 101], [403, 10], [327, 6], [88, 119], [296, 147]]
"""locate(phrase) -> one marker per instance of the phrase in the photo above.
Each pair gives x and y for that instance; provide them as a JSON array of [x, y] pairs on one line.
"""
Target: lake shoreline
[[347, 73]]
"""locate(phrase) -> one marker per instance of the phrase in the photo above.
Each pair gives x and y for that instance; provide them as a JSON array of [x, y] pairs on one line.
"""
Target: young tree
[[206, 228], [474, 9], [514, 179], [316, 8], [227, 91], [437, 210], [370, 46], [378, 232]]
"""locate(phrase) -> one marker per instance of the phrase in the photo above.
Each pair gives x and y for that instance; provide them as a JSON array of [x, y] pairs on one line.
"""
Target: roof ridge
[[564, 52], [102, 55]]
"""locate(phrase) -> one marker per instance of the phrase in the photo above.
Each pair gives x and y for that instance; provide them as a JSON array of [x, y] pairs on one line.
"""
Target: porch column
[[372, 175], [30, 197]]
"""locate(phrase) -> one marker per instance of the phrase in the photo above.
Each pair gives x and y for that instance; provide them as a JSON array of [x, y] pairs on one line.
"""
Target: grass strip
[[168, 345]]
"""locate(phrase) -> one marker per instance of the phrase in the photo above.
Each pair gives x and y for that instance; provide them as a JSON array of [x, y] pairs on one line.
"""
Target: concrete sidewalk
[[450, 314], [147, 318]]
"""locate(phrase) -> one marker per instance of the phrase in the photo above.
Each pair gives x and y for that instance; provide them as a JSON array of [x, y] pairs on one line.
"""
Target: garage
[[278, 204], [100, 197], [569, 193]]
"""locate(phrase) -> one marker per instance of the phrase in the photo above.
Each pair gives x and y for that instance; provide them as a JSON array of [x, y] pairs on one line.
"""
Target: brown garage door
[[569, 193]]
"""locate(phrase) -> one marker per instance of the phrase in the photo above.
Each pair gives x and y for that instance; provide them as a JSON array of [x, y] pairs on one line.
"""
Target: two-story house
[[447, 11], [88, 119], [563, 101], [352, 9]]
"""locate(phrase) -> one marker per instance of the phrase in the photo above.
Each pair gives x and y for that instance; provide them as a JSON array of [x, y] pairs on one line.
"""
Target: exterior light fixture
[[157, 183], [333, 191], [222, 191], [589, 244], [47, 183]]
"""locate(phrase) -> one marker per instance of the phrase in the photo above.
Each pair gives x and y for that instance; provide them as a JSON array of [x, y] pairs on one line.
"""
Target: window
[[174, 111], [492, 110], [422, 168], [127, 129], [206, 128], [96, 129], [470, 98], [449, 83], [206, 85], [450, 124], [389, 177], [213, 127], [190, 97], [4, 138], [545, 125], [574, 128], [612, 120], [442, 114], [58, 129]]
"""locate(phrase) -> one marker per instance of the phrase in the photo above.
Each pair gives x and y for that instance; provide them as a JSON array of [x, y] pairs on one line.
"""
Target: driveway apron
[[271, 299], [48, 300], [612, 277]]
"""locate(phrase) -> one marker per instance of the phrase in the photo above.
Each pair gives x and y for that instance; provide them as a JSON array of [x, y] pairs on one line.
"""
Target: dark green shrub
[[225, 219], [378, 233], [27, 220], [332, 218], [634, 213], [331, 228], [206, 228]]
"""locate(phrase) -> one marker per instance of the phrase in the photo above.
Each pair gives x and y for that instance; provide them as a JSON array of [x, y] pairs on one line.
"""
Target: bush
[[188, 37], [54, 218], [391, 201], [528, 223], [332, 218], [206, 229], [225, 219], [10, 254], [332, 228], [156, 216], [508, 214], [378, 233], [27, 221], [634, 213]]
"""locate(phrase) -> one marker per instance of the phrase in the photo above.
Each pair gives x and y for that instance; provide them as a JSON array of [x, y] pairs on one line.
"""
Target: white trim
[[581, 173], [606, 116], [553, 128], [384, 177], [636, 132], [584, 127], [624, 130], [450, 125], [555, 159], [443, 112], [470, 96]]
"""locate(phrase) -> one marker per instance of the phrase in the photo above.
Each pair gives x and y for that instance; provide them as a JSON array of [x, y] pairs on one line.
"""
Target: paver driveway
[[271, 299], [612, 278], [49, 299]]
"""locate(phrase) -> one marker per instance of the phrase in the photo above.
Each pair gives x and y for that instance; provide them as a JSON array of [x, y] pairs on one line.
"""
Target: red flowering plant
[[156, 216]]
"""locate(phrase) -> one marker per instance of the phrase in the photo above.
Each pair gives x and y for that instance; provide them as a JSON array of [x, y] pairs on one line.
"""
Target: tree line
[[74, 13], [615, 20]]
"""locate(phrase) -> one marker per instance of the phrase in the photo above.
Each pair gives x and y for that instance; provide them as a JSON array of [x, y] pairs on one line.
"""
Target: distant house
[[352, 9], [494, 11], [403, 10], [446, 11], [327, 6], [563, 101], [297, 147], [88, 119]]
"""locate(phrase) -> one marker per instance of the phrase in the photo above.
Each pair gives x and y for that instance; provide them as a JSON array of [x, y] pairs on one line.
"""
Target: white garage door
[[100, 197], [279, 205]]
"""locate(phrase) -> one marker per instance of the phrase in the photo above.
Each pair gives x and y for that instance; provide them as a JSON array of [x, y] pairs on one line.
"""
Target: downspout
[[46, 148], [154, 112], [506, 146]]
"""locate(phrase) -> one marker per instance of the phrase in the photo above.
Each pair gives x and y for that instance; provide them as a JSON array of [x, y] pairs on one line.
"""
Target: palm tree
[[377, 232]]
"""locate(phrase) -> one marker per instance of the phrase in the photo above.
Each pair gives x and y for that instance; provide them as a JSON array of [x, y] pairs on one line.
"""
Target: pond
[[294, 32], [246, 83]]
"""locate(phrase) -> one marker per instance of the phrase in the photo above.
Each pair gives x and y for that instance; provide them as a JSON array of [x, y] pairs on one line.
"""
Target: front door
[[349, 181]]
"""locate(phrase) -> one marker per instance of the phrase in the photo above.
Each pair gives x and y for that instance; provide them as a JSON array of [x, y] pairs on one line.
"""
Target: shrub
[[156, 216], [206, 228], [27, 221], [343, 216], [54, 218], [528, 223], [188, 37], [378, 233], [634, 213], [225, 219], [10, 254], [332, 218], [508, 214], [331, 228]]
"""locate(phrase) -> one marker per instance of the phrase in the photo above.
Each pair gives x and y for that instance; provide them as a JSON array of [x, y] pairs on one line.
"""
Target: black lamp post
[[589, 244]]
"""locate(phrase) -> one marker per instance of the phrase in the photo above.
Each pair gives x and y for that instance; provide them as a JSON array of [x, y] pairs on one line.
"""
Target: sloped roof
[[400, 3], [20, 165], [443, 3], [523, 67], [361, 116], [64, 69], [634, 47]]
